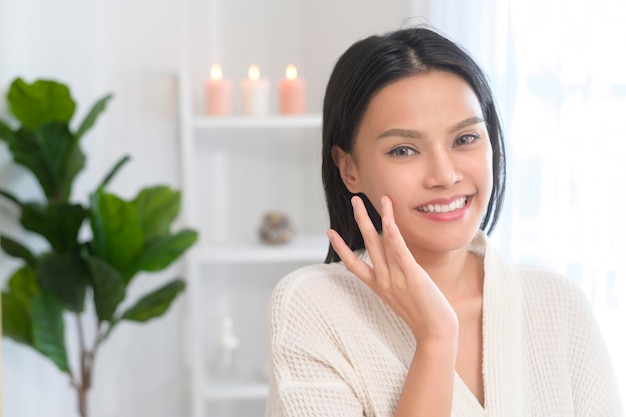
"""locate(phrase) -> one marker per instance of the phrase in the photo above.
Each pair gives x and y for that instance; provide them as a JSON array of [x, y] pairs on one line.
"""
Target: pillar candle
[[255, 94], [219, 94], [292, 92]]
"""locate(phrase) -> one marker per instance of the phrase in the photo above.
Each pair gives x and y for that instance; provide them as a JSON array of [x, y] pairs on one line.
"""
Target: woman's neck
[[457, 273]]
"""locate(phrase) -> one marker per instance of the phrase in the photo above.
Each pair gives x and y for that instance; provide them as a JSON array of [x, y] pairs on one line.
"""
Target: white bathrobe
[[337, 350]]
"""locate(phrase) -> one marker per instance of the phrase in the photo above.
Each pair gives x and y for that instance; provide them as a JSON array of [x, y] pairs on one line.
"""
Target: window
[[566, 135]]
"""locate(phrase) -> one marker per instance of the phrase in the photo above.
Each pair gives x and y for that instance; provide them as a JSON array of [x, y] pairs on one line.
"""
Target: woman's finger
[[371, 238], [399, 257], [352, 262], [392, 239]]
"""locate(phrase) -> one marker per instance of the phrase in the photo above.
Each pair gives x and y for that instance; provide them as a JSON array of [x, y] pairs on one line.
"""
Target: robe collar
[[502, 340]]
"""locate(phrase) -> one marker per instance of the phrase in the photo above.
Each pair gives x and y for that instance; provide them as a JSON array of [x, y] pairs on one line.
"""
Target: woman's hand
[[397, 278]]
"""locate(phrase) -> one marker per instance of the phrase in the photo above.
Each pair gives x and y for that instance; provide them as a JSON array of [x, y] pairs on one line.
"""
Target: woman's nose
[[442, 171]]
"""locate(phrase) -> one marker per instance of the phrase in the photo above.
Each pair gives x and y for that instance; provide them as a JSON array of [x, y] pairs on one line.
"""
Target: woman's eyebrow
[[465, 123], [403, 133], [414, 134]]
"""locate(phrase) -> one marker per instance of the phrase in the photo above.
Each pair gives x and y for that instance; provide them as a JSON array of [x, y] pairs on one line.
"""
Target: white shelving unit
[[305, 249], [227, 255], [269, 122]]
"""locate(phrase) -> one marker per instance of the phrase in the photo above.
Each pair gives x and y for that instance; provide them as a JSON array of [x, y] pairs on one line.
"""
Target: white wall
[[133, 48]]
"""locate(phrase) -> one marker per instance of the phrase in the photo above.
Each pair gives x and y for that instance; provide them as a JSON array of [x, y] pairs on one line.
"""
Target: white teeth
[[444, 208]]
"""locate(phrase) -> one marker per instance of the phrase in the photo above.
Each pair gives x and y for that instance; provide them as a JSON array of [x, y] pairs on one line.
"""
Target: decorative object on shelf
[[255, 94], [81, 278], [276, 228], [219, 94], [292, 92], [225, 364]]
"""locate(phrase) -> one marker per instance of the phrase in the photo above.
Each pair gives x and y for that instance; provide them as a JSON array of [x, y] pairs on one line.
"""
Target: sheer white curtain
[[559, 73]]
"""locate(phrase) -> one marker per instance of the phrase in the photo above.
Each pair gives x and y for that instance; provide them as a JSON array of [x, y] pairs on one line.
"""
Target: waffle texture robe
[[337, 350]]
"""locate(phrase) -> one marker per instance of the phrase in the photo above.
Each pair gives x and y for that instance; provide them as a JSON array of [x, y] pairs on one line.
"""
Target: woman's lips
[[444, 207], [453, 209]]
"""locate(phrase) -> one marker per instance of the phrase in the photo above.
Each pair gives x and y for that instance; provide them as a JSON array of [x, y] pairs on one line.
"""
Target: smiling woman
[[423, 317]]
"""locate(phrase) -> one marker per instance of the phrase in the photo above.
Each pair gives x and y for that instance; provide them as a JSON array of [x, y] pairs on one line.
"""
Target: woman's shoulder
[[324, 290], [545, 285], [311, 276], [538, 283]]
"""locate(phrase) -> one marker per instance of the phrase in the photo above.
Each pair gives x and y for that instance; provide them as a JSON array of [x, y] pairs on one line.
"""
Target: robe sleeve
[[593, 382], [310, 375]]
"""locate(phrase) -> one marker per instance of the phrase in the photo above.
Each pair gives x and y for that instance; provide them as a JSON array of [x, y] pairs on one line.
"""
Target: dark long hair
[[364, 69]]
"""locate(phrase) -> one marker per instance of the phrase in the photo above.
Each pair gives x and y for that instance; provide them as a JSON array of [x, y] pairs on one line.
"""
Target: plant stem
[[86, 365], [82, 402]]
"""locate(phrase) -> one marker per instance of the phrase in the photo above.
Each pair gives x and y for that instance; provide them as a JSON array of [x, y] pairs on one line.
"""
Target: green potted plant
[[125, 237]]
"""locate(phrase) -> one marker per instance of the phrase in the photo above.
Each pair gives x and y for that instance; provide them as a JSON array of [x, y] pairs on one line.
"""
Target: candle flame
[[216, 72], [291, 72], [253, 72]]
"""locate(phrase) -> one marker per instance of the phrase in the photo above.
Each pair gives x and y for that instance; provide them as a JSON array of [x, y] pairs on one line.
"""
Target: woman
[[422, 317]]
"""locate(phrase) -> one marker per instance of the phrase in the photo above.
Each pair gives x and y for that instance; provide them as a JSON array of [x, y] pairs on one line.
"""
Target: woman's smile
[[446, 209]]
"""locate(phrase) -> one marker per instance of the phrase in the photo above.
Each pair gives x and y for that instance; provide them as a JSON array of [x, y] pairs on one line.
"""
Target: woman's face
[[423, 142]]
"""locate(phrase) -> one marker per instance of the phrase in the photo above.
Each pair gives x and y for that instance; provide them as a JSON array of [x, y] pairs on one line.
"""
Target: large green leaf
[[154, 304], [117, 234], [58, 223], [92, 116], [40, 102], [16, 321], [158, 207], [164, 250], [108, 288], [62, 157], [17, 250], [66, 276], [49, 329], [23, 285], [6, 133], [26, 152], [51, 153]]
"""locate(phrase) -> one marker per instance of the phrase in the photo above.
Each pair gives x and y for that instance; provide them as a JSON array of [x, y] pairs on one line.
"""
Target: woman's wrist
[[447, 334], [443, 347]]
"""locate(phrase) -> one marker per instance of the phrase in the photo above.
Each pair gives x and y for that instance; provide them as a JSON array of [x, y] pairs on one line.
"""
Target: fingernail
[[353, 201]]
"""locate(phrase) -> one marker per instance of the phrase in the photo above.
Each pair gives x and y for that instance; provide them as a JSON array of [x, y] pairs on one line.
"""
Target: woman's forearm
[[429, 384]]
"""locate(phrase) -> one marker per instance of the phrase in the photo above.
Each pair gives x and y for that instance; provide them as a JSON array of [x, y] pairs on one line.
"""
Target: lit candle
[[219, 94], [255, 94], [292, 91]]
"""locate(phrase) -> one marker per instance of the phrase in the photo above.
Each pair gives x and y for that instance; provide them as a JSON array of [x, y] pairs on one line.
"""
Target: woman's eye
[[466, 139], [402, 151]]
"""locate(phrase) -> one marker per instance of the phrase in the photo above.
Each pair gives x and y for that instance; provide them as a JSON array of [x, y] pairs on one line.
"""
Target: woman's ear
[[347, 169]]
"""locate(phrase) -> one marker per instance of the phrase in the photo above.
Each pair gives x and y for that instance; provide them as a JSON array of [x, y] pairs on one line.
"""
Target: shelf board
[[250, 122], [302, 249], [229, 392]]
